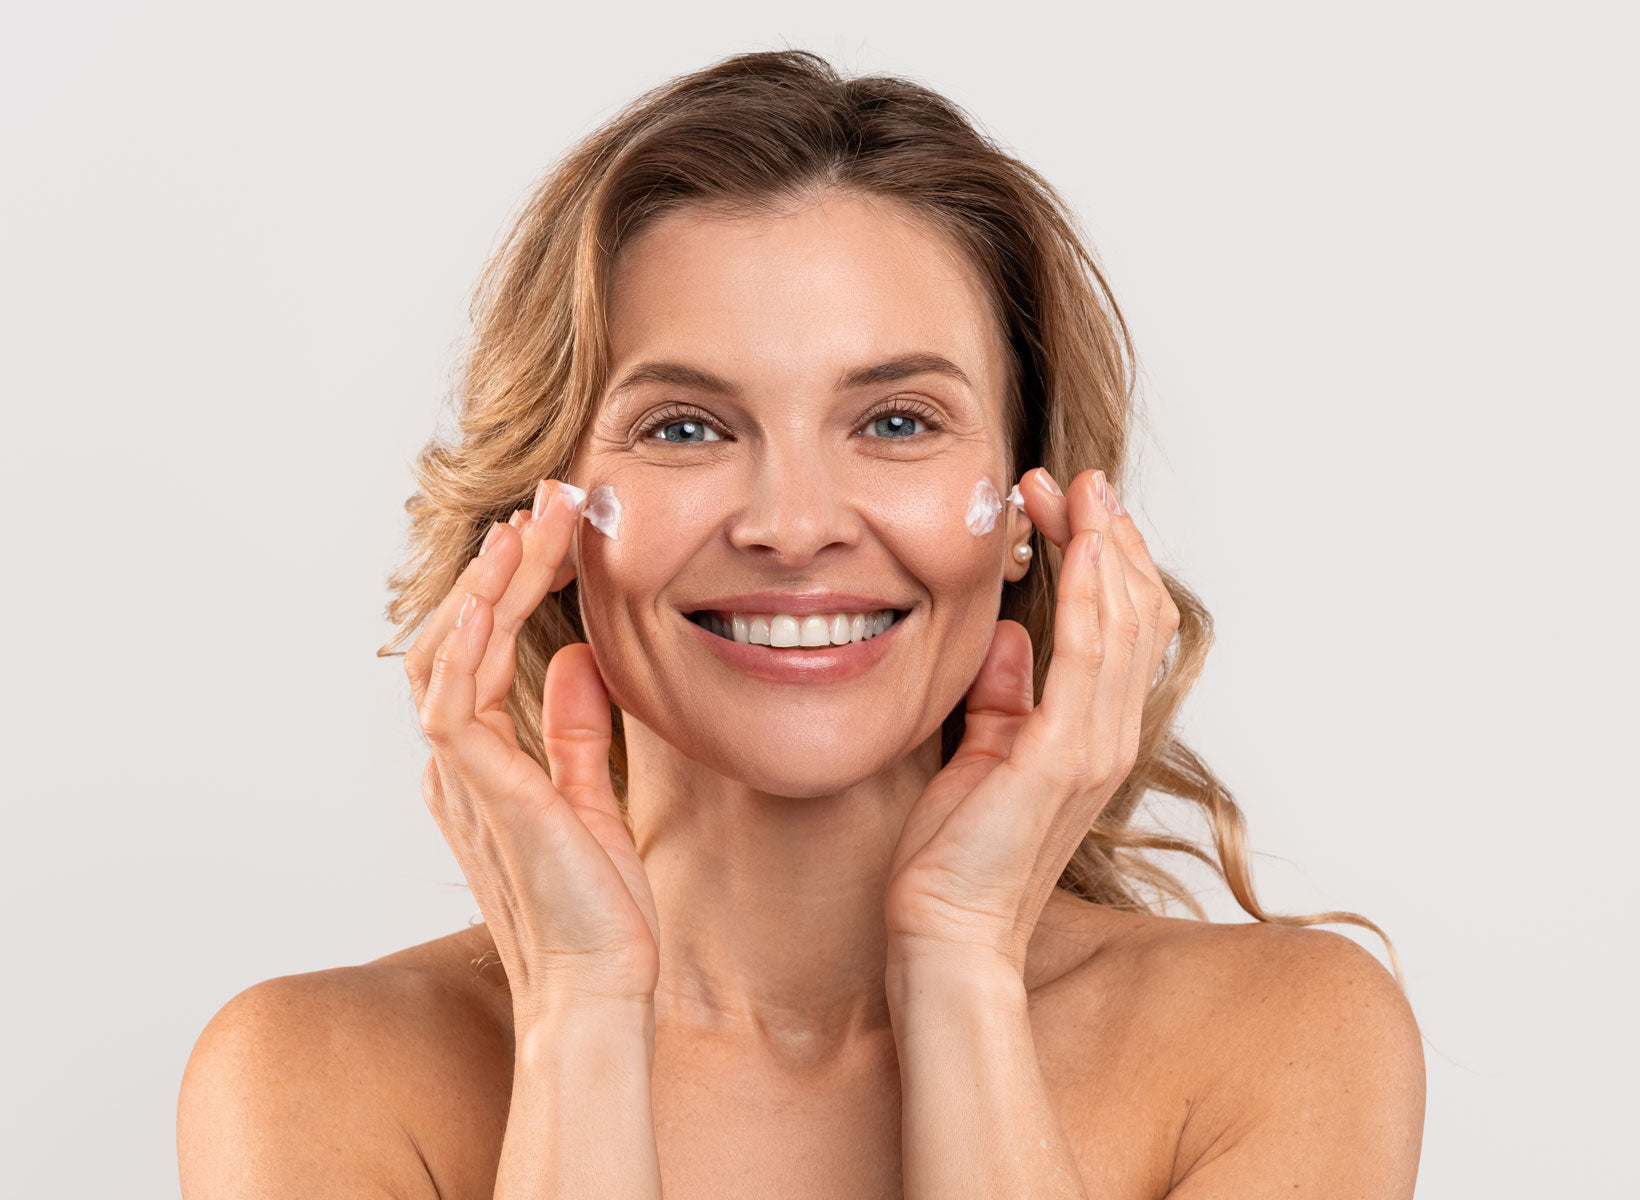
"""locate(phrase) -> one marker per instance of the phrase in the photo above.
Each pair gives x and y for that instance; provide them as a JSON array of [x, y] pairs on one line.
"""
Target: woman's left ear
[[1020, 531]]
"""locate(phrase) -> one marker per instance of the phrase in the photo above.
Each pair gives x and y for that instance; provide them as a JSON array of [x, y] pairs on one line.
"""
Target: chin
[[802, 757], [801, 773]]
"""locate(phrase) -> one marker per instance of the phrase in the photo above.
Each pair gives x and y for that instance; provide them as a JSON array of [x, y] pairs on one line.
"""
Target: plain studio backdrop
[[1379, 265]]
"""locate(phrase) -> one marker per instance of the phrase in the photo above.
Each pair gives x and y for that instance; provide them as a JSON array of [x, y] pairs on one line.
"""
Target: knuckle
[[415, 669], [1083, 646], [1126, 627], [436, 723]]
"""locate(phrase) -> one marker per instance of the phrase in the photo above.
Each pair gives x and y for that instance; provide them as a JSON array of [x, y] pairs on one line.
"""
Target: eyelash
[[894, 408]]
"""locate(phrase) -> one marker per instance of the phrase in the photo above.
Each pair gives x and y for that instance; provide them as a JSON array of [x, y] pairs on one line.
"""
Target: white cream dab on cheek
[[603, 511], [1014, 498], [983, 507]]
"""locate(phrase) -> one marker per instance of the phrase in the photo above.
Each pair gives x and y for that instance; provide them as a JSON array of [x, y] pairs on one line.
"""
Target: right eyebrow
[[677, 374], [894, 369]]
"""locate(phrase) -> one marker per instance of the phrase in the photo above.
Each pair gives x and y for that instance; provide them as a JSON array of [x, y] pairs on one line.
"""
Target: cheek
[[942, 526], [621, 577]]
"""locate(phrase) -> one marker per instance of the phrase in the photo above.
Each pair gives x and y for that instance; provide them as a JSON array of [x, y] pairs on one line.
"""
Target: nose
[[796, 505]]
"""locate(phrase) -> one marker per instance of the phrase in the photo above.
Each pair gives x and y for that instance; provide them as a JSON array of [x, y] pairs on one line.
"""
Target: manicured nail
[[1050, 483], [1095, 544], [540, 504], [489, 537], [1115, 504], [467, 607], [1099, 488]]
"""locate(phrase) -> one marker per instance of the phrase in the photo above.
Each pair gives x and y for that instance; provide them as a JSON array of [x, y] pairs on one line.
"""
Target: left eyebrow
[[903, 367]]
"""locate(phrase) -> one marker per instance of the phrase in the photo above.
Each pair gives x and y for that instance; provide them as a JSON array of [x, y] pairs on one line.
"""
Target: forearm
[[581, 1122], [976, 1119]]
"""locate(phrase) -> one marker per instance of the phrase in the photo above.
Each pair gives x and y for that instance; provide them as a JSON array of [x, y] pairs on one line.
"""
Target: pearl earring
[[1022, 552]]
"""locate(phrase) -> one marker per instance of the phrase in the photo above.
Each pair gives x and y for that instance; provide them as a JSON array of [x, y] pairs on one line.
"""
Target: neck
[[770, 907]]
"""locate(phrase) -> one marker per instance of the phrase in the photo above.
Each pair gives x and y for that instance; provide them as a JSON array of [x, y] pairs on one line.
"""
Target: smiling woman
[[792, 768]]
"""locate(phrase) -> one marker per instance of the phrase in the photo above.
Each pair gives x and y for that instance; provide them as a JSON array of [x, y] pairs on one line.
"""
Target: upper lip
[[796, 603]]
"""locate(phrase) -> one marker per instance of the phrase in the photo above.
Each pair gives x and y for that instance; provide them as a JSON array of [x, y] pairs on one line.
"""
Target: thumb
[[1000, 697], [575, 729]]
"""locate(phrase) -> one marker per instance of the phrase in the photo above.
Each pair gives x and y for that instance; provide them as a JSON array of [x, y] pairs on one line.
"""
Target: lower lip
[[789, 665]]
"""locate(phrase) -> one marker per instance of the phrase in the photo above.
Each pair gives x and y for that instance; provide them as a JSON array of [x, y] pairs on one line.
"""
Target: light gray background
[[1380, 266]]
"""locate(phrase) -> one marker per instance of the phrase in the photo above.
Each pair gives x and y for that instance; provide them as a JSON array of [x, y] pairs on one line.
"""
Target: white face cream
[[603, 511], [1014, 498], [575, 495], [983, 508]]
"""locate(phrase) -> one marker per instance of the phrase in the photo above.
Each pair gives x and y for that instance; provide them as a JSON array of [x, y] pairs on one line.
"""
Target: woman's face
[[750, 462]]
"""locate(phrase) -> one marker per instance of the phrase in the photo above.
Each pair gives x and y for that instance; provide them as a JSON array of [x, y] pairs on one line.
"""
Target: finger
[[1126, 531], [1001, 696], [1045, 505], [575, 730], [1157, 617], [463, 744], [544, 539], [486, 574], [1153, 599], [1079, 724], [1090, 501]]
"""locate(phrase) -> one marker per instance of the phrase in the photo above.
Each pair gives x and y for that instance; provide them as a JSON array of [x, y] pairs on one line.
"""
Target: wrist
[[578, 1018], [952, 978]]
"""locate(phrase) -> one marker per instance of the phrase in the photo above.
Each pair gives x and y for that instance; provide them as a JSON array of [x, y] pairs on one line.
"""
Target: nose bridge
[[795, 501]]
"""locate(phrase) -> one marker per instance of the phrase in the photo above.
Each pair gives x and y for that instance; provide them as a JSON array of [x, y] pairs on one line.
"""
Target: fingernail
[[540, 504], [1115, 504], [1050, 483], [1099, 488], [467, 607], [489, 537], [1095, 544]]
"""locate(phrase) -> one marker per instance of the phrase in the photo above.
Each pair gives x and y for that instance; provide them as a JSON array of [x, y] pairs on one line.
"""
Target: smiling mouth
[[815, 631]]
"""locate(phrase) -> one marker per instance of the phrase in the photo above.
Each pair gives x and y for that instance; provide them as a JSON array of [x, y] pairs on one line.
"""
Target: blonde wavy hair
[[754, 134]]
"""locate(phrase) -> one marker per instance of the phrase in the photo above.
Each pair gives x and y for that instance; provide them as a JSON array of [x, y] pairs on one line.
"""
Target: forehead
[[806, 295]]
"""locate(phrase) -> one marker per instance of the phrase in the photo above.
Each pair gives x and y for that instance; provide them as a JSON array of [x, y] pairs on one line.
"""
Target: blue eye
[[896, 425], [689, 431]]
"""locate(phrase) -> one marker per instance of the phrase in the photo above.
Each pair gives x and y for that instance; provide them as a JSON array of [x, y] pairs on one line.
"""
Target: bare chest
[[725, 1128]]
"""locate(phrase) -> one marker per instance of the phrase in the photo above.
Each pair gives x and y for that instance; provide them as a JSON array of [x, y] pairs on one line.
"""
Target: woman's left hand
[[986, 842]]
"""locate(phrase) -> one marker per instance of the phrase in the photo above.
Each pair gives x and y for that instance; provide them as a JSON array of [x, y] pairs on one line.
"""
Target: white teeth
[[787, 630]]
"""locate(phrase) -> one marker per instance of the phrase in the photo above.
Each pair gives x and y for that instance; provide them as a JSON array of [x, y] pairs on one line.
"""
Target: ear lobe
[[1019, 530]]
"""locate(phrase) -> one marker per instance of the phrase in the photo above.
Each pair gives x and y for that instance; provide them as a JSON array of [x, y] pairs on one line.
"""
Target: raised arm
[[582, 1122]]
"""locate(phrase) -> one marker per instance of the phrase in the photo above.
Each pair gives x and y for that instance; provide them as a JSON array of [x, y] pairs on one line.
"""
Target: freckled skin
[[795, 489]]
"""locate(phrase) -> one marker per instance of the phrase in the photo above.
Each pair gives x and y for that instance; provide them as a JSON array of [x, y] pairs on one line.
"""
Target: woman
[[803, 873]]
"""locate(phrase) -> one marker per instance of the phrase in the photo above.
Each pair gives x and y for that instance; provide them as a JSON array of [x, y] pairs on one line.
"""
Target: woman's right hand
[[549, 860]]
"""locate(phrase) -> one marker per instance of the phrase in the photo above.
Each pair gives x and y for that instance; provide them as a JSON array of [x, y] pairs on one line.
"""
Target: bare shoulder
[[308, 1084], [1247, 1054], [1296, 1052]]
